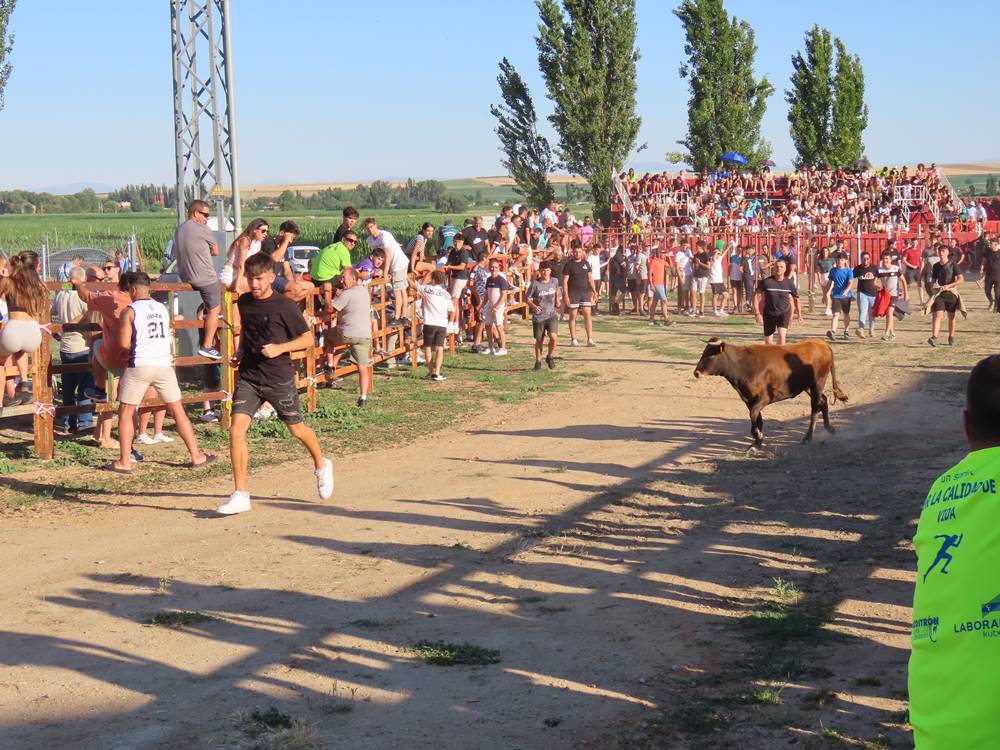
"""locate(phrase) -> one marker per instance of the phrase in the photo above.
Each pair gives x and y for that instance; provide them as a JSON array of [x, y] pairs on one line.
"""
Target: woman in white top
[[243, 247], [27, 299]]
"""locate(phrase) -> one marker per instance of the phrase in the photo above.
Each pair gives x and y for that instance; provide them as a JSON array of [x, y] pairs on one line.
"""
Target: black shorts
[[841, 305], [946, 302], [550, 326], [283, 396], [718, 288], [911, 275], [633, 285], [435, 336], [773, 322], [211, 295]]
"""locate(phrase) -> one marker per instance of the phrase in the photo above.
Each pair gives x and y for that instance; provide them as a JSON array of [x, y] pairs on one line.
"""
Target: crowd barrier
[[388, 342]]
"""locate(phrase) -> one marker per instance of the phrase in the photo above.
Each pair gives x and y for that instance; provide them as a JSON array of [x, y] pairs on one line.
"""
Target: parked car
[[300, 256]]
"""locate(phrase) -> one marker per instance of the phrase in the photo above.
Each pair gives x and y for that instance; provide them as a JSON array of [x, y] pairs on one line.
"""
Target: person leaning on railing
[[74, 348], [27, 299]]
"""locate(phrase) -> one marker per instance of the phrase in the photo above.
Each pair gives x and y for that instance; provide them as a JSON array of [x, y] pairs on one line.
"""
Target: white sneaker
[[829, 313], [145, 439], [162, 438], [574, 342], [264, 412], [324, 479], [239, 502], [500, 353]]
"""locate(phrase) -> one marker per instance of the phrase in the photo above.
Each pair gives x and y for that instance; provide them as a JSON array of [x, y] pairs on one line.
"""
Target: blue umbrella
[[734, 157]]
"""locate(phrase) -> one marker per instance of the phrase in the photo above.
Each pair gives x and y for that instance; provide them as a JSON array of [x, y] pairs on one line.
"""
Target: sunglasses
[[206, 214], [350, 241], [109, 268]]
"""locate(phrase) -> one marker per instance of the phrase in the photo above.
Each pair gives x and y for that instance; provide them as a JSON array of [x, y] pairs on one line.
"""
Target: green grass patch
[[178, 619], [785, 589], [763, 697], [10, 467], [444, 654]]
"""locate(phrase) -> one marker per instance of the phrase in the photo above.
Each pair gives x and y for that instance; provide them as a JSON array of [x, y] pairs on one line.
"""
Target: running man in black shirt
[[780, 294], [272, 327], [579, 291], [945, 278]]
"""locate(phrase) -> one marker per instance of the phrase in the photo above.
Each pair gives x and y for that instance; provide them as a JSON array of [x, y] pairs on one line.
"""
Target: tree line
[[587, 56], [379, 194]]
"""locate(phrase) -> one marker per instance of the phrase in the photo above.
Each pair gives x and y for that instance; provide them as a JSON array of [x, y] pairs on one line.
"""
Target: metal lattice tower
[[204, 99]]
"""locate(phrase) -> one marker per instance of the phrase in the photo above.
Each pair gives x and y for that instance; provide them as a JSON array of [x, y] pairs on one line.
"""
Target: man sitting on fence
[[144, 332]]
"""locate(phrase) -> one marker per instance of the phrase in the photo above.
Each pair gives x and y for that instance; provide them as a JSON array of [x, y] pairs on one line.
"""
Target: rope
[[43, 408]]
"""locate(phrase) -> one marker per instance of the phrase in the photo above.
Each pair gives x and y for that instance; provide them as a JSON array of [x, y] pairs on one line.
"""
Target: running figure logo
[[950, 541]]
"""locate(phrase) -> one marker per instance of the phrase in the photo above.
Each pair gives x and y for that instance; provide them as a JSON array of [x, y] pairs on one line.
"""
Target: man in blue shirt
[[840, 295], [446, 237]]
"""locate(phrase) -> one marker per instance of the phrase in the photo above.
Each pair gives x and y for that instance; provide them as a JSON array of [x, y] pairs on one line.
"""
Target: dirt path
[[614, 543]]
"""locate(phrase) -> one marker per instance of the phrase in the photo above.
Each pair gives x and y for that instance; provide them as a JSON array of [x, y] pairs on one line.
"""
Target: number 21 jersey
[[150, 335]]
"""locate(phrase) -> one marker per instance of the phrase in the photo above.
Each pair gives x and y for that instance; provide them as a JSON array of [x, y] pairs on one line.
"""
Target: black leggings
[[992, 289]]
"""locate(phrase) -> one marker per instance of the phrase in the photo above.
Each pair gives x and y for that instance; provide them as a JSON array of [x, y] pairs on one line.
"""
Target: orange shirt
[[110, 305], [657, 271]]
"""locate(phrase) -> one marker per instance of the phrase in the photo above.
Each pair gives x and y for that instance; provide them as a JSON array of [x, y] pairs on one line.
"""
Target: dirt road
[[614, 543]]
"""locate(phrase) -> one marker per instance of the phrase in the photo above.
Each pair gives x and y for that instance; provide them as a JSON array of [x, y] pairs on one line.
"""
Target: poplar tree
[[810, 100], [6, 45], [727, 101], [850, 113], [587, 56], [528, 156]]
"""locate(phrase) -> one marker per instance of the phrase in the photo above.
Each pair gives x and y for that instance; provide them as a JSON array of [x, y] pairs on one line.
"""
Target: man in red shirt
[[106, 353], [658, 264], [911, 266]]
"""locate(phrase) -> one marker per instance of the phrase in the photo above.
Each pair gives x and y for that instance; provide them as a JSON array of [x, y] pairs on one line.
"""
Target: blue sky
[[330, 91]]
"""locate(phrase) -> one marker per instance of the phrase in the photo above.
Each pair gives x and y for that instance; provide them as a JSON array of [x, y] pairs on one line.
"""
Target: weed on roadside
[[444, 654], [178, 619], [763, 696]]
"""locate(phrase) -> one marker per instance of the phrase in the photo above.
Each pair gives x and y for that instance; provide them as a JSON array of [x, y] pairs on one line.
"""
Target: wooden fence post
[[311, 355], [226, 350], [44, 421]]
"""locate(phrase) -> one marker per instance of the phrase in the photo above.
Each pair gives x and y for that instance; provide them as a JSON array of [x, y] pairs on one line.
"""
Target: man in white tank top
[[146, 333]]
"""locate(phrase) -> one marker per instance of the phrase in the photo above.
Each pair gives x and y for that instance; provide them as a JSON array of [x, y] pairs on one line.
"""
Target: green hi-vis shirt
[[955, 662]]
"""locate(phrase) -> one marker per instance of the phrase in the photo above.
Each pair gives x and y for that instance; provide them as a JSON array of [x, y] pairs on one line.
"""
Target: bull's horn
[[713, 340]]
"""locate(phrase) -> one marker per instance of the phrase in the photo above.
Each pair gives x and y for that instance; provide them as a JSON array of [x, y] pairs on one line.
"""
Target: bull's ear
[[722, 346]]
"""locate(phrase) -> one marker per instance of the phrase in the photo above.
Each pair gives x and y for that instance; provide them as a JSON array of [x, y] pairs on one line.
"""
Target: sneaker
[[95, 395], [718, 313], [136, 457], [500, 352], [538, 364], [951, 341], [701, 313], [591, 343], [723, 314], [324, 479], [264, 412], [885, 336], [211, 352], [159, 437], [212, 415], [429, 376], [11, 400], [859, 332], [652, 322], [362, 402], [574, 342], [830, 335], [829, 313], [668, 322], [932, 341], [847, 335], [145, 439], [239, 502], [892, 337], [439, 378], [550, 362]]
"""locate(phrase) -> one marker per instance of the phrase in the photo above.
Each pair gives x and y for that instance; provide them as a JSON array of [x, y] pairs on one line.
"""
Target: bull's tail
[[838, 395]]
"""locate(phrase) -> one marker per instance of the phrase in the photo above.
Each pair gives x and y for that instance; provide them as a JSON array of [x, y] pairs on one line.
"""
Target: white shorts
[[457, 287], [495, 315], [400, 269], [20, 335], [136, 381], [699, 283]]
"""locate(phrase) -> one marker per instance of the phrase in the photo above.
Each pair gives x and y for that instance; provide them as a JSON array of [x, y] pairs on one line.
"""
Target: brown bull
[[763, 374]]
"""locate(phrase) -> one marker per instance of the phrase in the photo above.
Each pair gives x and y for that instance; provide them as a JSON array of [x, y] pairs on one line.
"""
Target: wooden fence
[[388, 342]]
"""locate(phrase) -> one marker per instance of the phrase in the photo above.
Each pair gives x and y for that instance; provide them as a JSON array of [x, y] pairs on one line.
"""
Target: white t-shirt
[[436, 303], [387, 242], [683, 261], [595, 266], [150, 335], [715, 272]]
